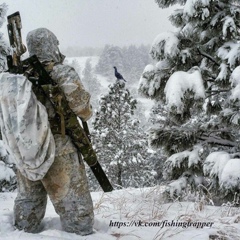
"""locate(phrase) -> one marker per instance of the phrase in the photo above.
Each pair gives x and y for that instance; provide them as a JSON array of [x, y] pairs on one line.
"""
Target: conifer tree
[[91, 82], [195, 82], [120, 143]]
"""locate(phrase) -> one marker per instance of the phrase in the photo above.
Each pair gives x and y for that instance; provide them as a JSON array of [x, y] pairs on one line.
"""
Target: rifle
[[15, 38], [79, 135]]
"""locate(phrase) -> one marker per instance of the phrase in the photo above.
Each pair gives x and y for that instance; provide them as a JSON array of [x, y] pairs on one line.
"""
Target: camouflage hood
[[43, 43]]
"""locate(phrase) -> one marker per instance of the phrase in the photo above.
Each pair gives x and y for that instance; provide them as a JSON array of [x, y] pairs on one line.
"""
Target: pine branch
[[218, 91], [215, 92], [174, 139], [218, 141], [178, 139], [208, 56]]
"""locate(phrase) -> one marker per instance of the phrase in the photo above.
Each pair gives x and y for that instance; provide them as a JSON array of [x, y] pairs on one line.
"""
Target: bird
[[118, 75]]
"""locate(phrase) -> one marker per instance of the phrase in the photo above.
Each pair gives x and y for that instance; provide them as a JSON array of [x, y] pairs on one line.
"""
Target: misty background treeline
[[129, 60], [78, 51]]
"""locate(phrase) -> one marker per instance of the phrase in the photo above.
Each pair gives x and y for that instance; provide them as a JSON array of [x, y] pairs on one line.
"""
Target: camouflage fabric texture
[[44, 44], [66, 185], [24, 126], [65, 182]]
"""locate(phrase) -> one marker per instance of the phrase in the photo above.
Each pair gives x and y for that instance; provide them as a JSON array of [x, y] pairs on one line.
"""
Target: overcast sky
[[94, 23]]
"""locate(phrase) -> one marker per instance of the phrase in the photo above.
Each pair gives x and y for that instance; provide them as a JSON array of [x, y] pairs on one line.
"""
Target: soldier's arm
[[76, 95]]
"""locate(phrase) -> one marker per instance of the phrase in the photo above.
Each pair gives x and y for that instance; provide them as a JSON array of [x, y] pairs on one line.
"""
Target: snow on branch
[[214, 163], [235, 81], [225, 168], [228, 25], [168, 3], [177, 186], [176, 18], [165, 45], [223, 74], [230, 51], [150, 82], [147, 83], [191, 8], [235, 77], [173, 139], [176, 159], [230, 175], [179, 83], [192, 157]]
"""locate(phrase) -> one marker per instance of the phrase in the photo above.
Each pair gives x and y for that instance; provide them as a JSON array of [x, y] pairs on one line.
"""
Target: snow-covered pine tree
[[195, 82], [120, 142]]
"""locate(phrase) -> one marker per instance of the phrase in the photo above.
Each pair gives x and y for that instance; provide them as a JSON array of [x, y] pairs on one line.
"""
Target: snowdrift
[[134, 214]]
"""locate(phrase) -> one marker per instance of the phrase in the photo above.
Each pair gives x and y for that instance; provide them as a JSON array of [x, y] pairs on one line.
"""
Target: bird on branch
[[118, 75]]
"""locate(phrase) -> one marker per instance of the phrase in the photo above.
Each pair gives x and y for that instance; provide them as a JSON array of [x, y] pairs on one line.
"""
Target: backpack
[[24, 126]]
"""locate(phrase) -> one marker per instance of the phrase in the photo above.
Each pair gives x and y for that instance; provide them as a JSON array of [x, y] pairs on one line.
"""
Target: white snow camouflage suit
[[65, 182]]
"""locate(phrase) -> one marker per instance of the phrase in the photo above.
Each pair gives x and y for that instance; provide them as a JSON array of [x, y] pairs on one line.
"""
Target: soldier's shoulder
[[64, 69]]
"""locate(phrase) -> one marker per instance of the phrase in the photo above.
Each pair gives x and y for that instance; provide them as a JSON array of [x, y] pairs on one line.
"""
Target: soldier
[[65, 181]]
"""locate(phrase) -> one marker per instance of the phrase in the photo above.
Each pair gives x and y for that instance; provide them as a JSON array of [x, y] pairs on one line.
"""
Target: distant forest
[[76, 51]]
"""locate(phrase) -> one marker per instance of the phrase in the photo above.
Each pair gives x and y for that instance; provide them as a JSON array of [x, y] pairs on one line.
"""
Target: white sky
[[94, 23]]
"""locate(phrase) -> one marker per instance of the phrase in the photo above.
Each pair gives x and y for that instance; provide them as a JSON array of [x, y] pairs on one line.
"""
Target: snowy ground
[[134, 206]]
